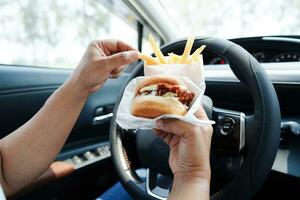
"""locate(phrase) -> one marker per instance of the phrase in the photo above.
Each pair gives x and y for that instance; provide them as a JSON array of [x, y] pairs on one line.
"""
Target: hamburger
[[161, 94]]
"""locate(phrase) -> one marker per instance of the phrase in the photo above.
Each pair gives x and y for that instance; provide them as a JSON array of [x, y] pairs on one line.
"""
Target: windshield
[[235, 18]]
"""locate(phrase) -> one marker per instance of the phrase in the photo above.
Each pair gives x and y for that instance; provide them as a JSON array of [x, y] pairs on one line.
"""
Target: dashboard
[[267, 49]]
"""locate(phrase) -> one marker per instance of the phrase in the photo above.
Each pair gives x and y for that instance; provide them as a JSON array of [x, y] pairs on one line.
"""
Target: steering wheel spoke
[[229, 132], [158, 185]]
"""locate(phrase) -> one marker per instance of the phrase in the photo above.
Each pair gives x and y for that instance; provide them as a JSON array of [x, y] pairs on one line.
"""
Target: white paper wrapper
[[193, 71], [128, 121]]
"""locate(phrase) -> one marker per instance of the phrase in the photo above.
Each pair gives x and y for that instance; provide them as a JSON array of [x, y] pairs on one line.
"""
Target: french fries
[[173, 58], [198, 52], [187, 49], [148, 59], [156, 50]]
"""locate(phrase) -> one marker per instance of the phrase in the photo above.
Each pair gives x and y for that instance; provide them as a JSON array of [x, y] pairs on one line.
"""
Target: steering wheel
[[243, 146]]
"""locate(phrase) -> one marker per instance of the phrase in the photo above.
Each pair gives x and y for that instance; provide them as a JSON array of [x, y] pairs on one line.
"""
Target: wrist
[[196, 172], [188, 186], [73, 85], [199, 177]]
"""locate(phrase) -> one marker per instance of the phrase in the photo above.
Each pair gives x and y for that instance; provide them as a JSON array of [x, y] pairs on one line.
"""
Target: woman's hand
[[189, 155], [102, 59]]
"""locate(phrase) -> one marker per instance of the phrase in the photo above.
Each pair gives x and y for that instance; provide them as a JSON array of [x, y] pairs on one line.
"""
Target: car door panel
[[19, 78], [23, 90]]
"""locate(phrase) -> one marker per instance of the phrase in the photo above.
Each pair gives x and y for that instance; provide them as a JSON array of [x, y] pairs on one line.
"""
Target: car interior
[[252, 80]]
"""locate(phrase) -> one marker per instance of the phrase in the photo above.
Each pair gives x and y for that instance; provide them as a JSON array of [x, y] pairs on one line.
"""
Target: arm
[[27, 152], [189, 157], [190, 187]]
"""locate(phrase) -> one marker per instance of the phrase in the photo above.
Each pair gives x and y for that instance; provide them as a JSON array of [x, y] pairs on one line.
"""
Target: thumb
[[119, 59]]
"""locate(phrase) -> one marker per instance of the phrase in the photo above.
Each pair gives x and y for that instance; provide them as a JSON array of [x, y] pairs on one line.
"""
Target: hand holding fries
[[185, 58]]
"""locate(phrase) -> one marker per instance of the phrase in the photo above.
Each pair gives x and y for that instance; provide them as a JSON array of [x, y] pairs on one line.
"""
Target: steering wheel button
[[229, 120], [227, 127], [106, 147], [100, 151], [77, 160], [89, 155], [221, 131]]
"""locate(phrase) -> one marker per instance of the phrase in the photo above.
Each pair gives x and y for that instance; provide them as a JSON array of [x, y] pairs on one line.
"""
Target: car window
[[55, 33], [244, 18]]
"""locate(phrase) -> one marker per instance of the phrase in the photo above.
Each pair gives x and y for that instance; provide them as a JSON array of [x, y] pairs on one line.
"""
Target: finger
[[114, 46], [163, 135], [157, 131], [174, 126], [201, 114], [118, 70], [160, 133], [168, 138], [122, 46], [117, 60], [114, 76], [173, 140]]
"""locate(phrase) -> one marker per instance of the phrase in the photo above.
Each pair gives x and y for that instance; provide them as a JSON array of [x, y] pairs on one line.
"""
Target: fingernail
[[159, 124], [131, 55]]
